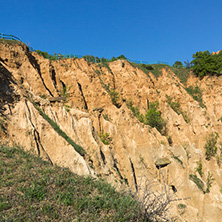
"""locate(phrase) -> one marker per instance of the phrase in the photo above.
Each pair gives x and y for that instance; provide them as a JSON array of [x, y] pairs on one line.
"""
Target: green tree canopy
[[178, 64], [205, 63]]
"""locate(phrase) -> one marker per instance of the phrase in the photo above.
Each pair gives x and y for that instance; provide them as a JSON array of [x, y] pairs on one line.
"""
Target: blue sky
[[148, 30]]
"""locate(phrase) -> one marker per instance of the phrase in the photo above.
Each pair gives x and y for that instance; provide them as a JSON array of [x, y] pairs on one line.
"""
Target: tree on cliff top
[[205, 63]]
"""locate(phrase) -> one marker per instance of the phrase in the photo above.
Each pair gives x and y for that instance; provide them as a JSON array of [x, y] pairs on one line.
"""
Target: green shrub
[[105, 138], [106, 117], [182, 206], [181, 73], [209, 182], [114, 97], [169, 139], [65, 91], [177, 108], [178, 159], [43, 96], [135, 110], [178, 64], [210, 146], [46, 55], [197, 181], [153, 117], [145, 68], [196, 93], [199, 168]]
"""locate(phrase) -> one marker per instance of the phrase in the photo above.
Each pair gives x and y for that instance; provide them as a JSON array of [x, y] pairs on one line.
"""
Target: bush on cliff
[[153, 117]]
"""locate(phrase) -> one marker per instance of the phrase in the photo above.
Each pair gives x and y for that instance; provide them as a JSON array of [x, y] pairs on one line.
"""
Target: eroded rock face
[[75, 95]]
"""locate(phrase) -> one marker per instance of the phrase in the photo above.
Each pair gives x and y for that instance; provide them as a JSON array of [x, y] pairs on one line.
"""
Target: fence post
[[11, 37], [1, 35]]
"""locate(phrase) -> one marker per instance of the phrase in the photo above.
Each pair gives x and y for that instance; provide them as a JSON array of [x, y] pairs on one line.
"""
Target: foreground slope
[[33, 190], [89, 103]]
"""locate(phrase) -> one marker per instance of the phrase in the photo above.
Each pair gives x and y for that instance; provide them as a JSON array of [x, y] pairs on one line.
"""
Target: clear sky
[[148, 30]]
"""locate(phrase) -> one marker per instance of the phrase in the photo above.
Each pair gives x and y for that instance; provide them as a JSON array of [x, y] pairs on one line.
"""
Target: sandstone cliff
[[75, 95]]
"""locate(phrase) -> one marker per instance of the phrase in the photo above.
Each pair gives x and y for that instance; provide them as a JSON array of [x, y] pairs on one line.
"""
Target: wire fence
[[58, 56]]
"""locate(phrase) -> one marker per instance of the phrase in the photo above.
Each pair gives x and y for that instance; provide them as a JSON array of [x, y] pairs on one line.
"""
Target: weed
[[181, 206], [66, 90], [43, 96], [35, 191], [152, 116], [145, 68], [105, 138], [135, 110], [196, 93], [209, 181], [170, 141], [97, 72], [197, 181], [219, 156], [199, 168], [182, 73], [219, 160], [106, 117], [210, 146], [67, 107], [178, 159], [105, 64], [177, 108], [114, 97], [3, 125]]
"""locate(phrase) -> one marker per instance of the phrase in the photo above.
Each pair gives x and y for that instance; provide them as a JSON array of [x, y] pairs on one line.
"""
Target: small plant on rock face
[[106, 139], [135, 110], [210, 146], [209, 182], [177, 108], [170, 141], [182, 206], [106, 117], [196, 93], [114, 97], [219, 156], [43, 96], [66, 90], [199, 168], [197, 181]]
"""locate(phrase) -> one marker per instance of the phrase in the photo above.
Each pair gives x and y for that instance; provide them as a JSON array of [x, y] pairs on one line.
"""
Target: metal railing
[[9, 37], [58, 56]]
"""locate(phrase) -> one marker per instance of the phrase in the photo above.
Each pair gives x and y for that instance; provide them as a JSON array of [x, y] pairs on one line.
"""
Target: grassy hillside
[[33, 190]]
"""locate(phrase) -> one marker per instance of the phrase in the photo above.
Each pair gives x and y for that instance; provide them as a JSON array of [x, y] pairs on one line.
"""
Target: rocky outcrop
[[76, 96]]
